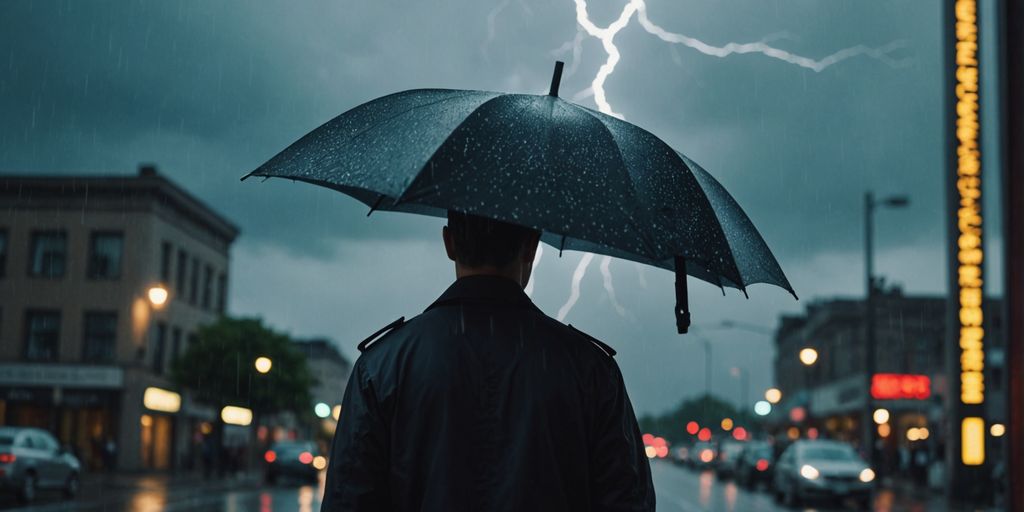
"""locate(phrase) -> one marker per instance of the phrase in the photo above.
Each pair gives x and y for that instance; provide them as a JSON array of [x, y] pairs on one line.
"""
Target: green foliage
[[707, 411], [219, 368]]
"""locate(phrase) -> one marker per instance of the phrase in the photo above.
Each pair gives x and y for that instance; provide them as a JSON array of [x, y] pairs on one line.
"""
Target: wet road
[[679, 490], [684, 490], [157, 496]]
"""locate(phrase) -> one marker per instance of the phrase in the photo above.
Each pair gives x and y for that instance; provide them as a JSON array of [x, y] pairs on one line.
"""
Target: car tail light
[[7, 458], [270, 456], [305, 457], [762, 465]]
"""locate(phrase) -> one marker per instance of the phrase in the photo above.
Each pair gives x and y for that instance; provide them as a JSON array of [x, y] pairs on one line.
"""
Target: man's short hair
[[481, 242]]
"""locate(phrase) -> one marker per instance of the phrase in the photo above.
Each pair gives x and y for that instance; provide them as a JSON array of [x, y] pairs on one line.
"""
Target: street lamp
[[157, 295], [263, 364], [808, 356], [870, 205], [773, 395]]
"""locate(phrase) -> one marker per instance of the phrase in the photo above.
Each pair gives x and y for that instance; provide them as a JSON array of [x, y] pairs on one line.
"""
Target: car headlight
[[867, 475], [809, 472]]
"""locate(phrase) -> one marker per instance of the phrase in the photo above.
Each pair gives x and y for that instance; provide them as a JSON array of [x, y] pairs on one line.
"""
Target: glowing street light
[[773, 395], [322, 410], [157, 295], [881, 416], [233, 415], [808, 356], [997, 430], [263, 364], [762, 408]]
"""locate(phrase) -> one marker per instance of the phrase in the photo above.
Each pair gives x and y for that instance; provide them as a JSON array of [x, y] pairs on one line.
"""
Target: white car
[[31, 460], [822, 469]]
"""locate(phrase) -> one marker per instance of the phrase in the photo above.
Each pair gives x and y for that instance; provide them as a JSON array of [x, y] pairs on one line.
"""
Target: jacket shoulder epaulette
[[365, 344], [609, 351]]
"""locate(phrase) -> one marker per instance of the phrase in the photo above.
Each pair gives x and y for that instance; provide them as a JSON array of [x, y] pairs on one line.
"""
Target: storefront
[[79, 404]]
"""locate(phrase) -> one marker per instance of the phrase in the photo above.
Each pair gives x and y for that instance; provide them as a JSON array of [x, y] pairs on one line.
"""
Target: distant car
[[755, 464], [296, 459], [702, 455], [728, 455], [822, 469], [32, 460]]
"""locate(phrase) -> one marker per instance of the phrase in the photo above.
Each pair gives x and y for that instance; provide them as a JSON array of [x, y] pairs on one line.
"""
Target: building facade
[[826, 398], [105, 280]]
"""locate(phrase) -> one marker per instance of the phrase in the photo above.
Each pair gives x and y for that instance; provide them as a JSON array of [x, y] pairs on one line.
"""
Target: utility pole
[[867, 426], [870, 343]]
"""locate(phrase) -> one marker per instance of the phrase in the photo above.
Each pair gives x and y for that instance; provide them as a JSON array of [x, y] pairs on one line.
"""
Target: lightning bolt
[[577, 276], [639, 7], [533, 275], [606, 273], [607, 37]]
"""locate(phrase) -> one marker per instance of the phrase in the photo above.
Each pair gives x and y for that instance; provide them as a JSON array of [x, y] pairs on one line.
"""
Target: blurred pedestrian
[[485, 403]]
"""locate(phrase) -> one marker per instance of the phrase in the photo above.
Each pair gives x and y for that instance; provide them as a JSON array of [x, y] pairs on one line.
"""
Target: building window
[[42, 335], [207, 286], [3, 253], [222, 293], [166, 251], [105, 255], [175, 344], [159, 342], [182, 272], [193, 285], [49, 254], [100, 343]]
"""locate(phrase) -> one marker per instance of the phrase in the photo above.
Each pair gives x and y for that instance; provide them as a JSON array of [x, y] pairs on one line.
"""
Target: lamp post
[[808, 356], [870, 205]]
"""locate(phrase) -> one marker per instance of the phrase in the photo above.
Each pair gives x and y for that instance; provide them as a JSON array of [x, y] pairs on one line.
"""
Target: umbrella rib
[[611, 136], [406, 111], [402, 197]]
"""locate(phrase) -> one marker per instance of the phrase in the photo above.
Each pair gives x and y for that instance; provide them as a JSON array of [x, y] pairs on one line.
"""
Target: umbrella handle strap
[[682, 301]]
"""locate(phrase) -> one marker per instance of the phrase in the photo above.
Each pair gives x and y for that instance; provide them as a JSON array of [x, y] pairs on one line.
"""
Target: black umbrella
[[589, 181]]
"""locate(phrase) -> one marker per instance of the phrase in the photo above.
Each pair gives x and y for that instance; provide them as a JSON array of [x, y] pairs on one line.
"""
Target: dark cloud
[[209, 90]]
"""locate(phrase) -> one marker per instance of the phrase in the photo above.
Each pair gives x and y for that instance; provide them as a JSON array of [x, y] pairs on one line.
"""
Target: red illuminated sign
[[899, 386]]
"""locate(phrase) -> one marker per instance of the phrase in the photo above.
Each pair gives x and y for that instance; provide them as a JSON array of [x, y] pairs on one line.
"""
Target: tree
[[219, 368]]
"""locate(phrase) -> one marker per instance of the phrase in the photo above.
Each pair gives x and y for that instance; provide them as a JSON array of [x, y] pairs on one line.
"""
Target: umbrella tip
[[556, 78]]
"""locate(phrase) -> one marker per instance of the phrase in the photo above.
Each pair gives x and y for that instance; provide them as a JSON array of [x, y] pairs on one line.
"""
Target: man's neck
[[513, 272]]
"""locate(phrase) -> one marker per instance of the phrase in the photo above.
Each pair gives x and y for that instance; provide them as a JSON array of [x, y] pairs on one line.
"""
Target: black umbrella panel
[[589, 181]]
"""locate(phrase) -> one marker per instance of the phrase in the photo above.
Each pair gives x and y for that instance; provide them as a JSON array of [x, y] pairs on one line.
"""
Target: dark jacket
[[484, 403]]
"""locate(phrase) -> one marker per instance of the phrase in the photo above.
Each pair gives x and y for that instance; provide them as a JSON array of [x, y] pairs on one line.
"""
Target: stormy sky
[[210, 90]]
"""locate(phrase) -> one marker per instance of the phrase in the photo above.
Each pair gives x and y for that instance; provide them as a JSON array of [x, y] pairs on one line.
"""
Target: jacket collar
[[488, 289]]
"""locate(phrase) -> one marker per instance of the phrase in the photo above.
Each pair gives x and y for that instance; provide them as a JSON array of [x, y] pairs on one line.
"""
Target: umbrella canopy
[[588, 181]]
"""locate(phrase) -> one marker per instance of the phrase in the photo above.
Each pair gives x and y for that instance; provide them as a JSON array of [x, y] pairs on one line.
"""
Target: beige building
[[103, 281]]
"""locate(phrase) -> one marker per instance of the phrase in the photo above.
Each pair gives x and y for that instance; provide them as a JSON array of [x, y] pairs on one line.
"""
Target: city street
[[679, 490]]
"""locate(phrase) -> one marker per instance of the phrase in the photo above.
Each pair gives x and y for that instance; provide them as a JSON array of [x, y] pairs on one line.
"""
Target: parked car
[[296, 459], [32, 460], [702, 455], [755, 464], [822, 469], [728, 456]]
